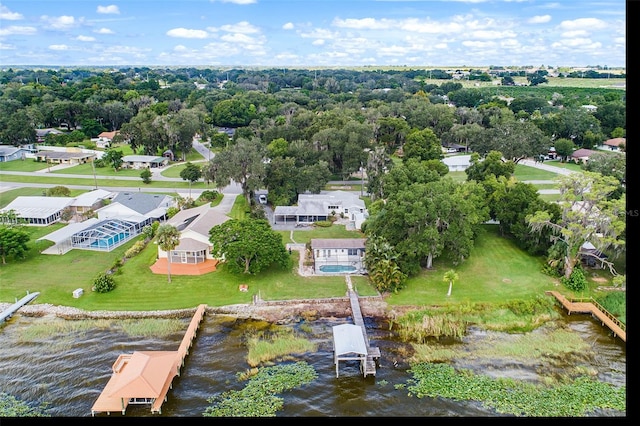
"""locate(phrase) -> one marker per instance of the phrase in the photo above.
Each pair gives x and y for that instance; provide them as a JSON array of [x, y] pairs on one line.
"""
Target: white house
[[338, 255], [318, 207], [194, 225], [104, 139], [457, 163], [143, 161]]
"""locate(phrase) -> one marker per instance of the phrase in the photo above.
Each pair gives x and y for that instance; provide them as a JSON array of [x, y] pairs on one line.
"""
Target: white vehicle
[[262, 199]]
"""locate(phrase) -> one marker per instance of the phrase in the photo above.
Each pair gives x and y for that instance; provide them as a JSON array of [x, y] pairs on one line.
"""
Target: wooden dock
[[149, 377], [368, 367], [590, 306], [8, 313]]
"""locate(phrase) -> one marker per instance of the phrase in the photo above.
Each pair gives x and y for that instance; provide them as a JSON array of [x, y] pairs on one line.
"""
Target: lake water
[[69, 370]]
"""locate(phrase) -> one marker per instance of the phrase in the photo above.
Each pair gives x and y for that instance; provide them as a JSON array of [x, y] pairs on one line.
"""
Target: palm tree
[[168, 238], [450, 276]]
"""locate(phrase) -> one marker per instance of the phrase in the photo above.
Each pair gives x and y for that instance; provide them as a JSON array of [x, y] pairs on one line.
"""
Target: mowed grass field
[[496, 271]]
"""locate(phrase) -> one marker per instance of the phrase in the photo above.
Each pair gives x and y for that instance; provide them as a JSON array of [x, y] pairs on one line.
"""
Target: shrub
[[135, 249], [103, 283], [323, 223], [577, 281], [208, 196]]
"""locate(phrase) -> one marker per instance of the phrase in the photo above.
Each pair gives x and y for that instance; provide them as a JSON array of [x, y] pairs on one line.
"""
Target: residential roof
[[143, 159], [64, 155], [108, 135], [324, 243], [348, 338], [582, 153], [145, 374], [189, 244], [198, 219], [142, 202], [91, 197], [44, 132], [37, 206], [615, 141]]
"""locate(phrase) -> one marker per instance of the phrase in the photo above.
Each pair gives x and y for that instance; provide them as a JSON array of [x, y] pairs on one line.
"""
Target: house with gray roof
[[318, 207], [10, 153], [143, 161], [194, 225], [153, 206]]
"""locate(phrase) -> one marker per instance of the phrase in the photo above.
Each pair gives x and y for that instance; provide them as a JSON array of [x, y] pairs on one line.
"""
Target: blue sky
[[299, 33]]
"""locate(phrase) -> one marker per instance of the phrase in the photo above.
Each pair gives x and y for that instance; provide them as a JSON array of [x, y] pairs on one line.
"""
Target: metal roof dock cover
[[348, 339]]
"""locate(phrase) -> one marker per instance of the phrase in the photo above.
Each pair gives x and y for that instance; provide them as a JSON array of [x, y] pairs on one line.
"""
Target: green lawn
[[496, 271], [27, 165]]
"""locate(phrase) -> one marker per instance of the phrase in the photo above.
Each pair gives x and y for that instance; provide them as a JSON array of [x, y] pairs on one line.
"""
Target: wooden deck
[[110, 401], [590, 306], [368, 367]]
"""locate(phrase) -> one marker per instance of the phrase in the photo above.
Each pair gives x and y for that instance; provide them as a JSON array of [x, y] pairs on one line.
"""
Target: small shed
[[348, 344]]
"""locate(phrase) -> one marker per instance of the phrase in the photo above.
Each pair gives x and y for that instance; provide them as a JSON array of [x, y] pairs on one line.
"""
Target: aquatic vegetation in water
[[258, 398], [576, 398]]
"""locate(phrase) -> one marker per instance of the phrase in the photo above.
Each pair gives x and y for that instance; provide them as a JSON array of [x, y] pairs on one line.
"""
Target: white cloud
[[241, 27], [59, 23], [318, 42], [85, 38], [574, 34], [540, 19], [17, 30], [103, 31], [492, 35], [8, 15], [59, 47], [288, 26], [111, 9], [7, 46], [583, 23], [186, 33]]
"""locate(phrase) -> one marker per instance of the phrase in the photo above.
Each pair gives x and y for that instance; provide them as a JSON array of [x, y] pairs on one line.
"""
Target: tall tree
[[248, 245], [192, 173], [588, 215], [113, 157], [168, 238], [243, 163]]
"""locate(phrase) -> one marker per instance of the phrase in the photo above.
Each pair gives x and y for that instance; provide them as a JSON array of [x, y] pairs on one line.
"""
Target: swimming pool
[[110, 241], [337, 268]]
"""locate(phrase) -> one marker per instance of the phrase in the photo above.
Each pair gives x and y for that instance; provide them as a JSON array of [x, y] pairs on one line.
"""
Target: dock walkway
[[155, 369], [8, 313], [590, 306], [373, 352]]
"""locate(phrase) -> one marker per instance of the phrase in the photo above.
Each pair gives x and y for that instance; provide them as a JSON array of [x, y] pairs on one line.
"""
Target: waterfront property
[[338, 255], [350, 341], [145, 377], [590, 306], [194, 249], [319, 207]]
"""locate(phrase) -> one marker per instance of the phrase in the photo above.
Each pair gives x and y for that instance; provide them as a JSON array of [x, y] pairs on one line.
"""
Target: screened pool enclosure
[[106, 235]]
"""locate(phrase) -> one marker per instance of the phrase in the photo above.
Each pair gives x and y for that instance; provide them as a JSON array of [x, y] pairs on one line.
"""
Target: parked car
[[262, 199]]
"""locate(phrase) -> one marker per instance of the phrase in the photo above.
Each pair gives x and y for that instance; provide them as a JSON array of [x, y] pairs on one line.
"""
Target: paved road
[[233, 188]]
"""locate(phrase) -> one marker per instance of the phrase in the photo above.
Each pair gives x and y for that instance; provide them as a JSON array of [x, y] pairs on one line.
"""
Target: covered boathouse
[[145, 377], [348, 345]]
